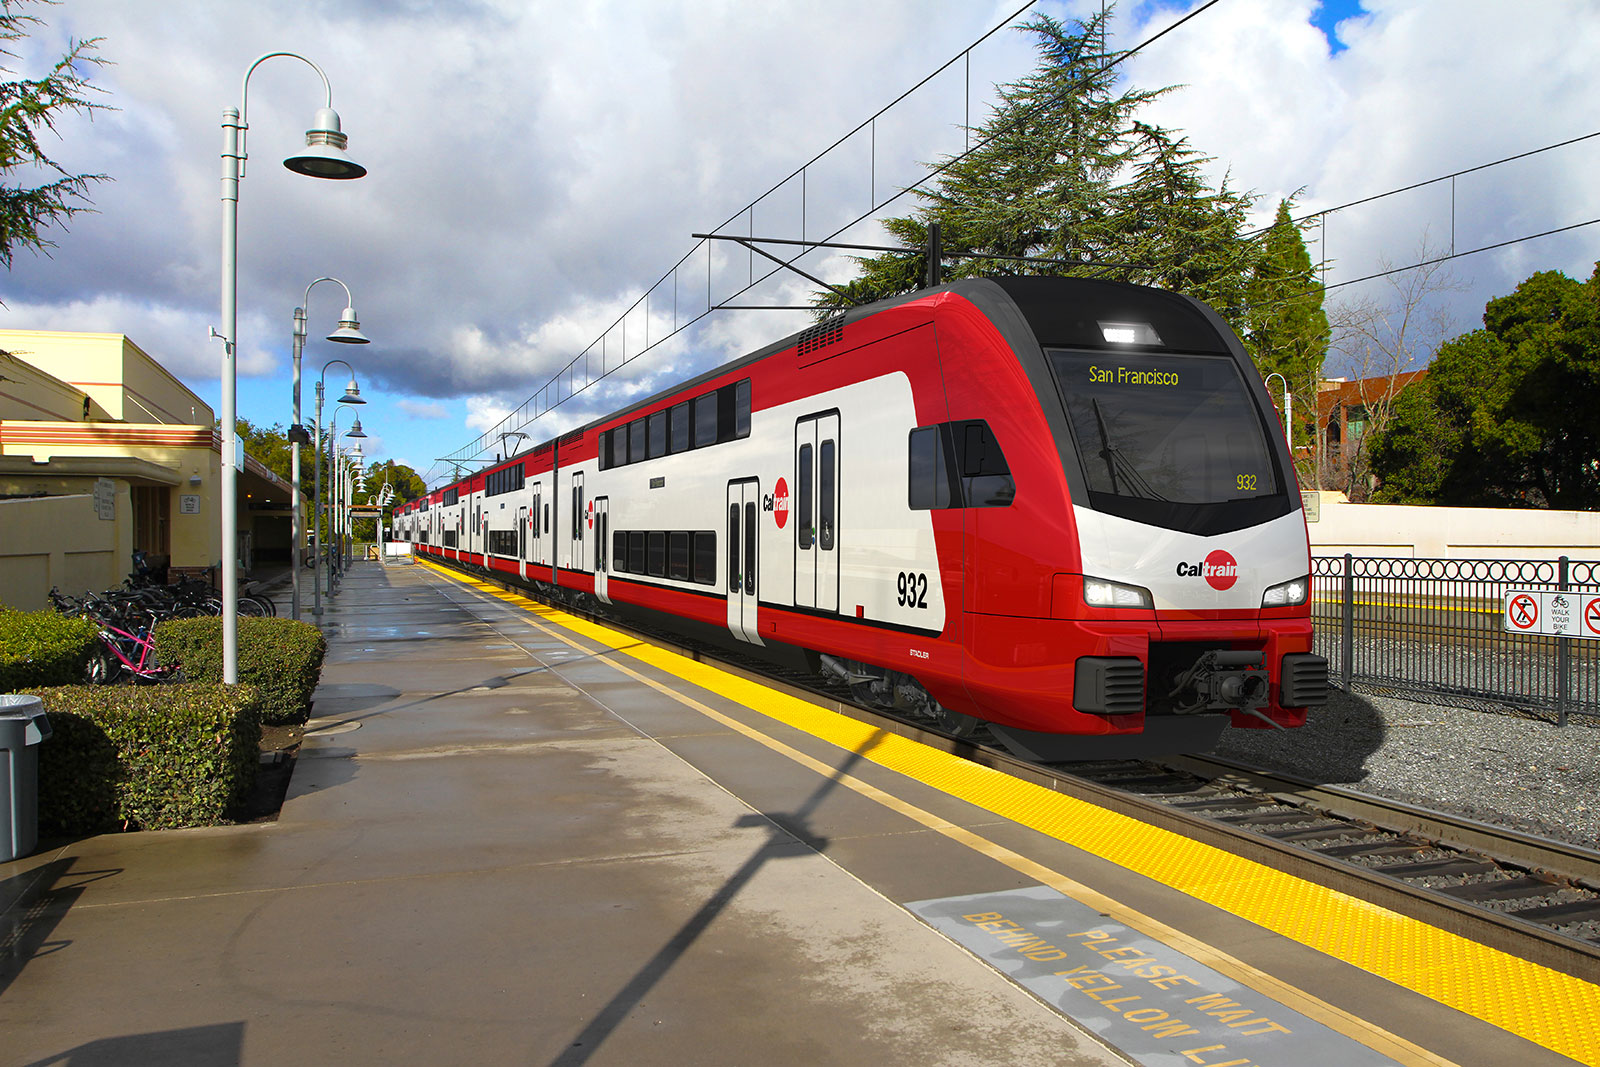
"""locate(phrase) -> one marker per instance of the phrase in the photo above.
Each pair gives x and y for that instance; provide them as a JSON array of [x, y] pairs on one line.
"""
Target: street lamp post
[[347, 485], [352, 395], [323, 157], [335, 489], [348, 332]]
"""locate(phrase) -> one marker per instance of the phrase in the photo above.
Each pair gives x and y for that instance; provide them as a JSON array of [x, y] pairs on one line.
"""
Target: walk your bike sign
[[1554, 613]]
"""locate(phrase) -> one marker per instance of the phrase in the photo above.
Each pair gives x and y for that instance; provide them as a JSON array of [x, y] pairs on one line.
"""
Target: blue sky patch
[[1329, 14]]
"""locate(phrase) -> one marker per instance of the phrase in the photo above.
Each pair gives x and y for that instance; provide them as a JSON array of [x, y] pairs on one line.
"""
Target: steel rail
[[1560, 858]]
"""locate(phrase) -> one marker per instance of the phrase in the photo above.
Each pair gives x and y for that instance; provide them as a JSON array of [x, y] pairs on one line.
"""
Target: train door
[[577, 520], [536, 527], [602, 545], [744, 507], [522, 541], [816, 473]]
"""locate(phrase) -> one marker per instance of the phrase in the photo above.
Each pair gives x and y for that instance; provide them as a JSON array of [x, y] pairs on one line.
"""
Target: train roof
[[1055, 311]]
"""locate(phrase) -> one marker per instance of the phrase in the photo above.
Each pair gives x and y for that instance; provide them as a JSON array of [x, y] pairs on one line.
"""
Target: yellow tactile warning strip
[[1547, 1007]]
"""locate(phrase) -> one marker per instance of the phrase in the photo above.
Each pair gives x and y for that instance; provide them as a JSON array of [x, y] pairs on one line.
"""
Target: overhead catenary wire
[[553, 385]]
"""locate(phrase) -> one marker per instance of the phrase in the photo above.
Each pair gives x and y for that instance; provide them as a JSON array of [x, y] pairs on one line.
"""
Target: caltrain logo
[[777, 502], [1220, 570]]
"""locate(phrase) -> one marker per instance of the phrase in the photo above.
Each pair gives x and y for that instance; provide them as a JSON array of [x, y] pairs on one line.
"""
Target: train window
[[705, 420], [451, 496], [705, 557], [678, 427], [619, 551], [605, 450], [726, 414], [825, 495], [985, 477], [449, 539], [678, 555], [636, 441], [547, 518], [741, 403], [658, 434], [636, 554], [1159, 430], [735, 579], [750, 549], [803, 520], [656, 553], [930, 475]]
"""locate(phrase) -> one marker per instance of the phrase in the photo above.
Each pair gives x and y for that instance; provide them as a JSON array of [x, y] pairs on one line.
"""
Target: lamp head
[[349, 331], [352, 393], [324, 154], [355, 431]]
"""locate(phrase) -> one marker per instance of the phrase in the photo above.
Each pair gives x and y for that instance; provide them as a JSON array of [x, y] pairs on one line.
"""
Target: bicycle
[[124, 626]]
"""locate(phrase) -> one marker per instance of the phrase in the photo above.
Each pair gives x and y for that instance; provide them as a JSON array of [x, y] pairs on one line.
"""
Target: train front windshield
[[1171, 440]]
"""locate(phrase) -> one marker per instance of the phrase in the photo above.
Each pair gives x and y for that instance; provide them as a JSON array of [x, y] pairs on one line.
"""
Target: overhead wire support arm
[[934, 251], [749, 242]]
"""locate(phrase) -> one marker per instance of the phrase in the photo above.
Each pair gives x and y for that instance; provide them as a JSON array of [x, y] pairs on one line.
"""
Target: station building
[[104, 452]]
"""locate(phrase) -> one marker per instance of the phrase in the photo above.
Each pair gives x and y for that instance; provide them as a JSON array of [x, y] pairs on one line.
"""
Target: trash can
[[23, 725]]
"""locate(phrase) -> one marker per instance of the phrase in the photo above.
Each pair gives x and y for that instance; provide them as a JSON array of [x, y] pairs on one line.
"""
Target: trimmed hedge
[[127, 758], [280, 657], [43, 648]]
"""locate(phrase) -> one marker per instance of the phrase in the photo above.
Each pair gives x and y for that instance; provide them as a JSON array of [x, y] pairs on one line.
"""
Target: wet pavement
[[487, 854]]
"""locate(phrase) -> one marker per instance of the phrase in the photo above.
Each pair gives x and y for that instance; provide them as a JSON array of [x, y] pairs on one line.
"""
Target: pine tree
[[29, 108], [1064, 170], [1285, 326]]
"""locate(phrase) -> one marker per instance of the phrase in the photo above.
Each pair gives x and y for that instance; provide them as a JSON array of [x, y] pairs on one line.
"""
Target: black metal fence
[[1433, 630]]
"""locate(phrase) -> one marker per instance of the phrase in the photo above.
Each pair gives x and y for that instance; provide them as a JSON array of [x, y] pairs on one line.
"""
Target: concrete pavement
[[481, 861]]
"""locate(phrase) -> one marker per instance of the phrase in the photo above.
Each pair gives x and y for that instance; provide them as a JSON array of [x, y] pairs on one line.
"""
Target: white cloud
[[484, 412], [177, 338], [423, 409], [536, 166], [1425, 88]]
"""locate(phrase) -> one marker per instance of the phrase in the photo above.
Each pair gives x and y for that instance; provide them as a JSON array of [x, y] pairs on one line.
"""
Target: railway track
[[1533, 897], [1458, 869]]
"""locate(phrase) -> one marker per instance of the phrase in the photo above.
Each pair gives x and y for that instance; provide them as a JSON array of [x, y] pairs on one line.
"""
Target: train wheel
[[955, 723]]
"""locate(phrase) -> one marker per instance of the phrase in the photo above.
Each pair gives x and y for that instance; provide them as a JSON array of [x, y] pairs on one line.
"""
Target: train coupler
[[1223, 680]]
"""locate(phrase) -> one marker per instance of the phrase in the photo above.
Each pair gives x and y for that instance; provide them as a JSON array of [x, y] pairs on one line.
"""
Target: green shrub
[[40, 648], [280, 657], [136, 758]]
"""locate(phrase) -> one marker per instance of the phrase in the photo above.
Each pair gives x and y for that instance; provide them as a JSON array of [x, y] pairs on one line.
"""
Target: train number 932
[[913, 589]]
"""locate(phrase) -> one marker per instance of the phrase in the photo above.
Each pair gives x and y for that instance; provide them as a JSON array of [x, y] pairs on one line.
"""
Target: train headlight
[[1099, 593], [1287, 594], [1129, 333]]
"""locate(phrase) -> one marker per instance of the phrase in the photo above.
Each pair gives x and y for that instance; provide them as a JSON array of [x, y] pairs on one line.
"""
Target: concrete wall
[[61, 541], [1412, 532], [123, 381]]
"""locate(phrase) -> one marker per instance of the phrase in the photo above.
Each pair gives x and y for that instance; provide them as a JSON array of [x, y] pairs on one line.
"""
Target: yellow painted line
[[1405, 604], [1547, 1007]]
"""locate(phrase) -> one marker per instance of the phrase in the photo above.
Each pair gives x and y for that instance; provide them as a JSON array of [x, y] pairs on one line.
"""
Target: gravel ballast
[[1502, 769]]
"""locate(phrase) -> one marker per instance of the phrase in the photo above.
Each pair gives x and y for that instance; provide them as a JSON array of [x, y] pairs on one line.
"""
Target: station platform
[[515, 836]]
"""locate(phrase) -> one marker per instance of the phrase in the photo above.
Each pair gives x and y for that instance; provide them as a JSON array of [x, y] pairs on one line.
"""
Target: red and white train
[[1057, 506]]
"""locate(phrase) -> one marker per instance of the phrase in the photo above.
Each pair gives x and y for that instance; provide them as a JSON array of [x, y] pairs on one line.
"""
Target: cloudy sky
[[535, 168]]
